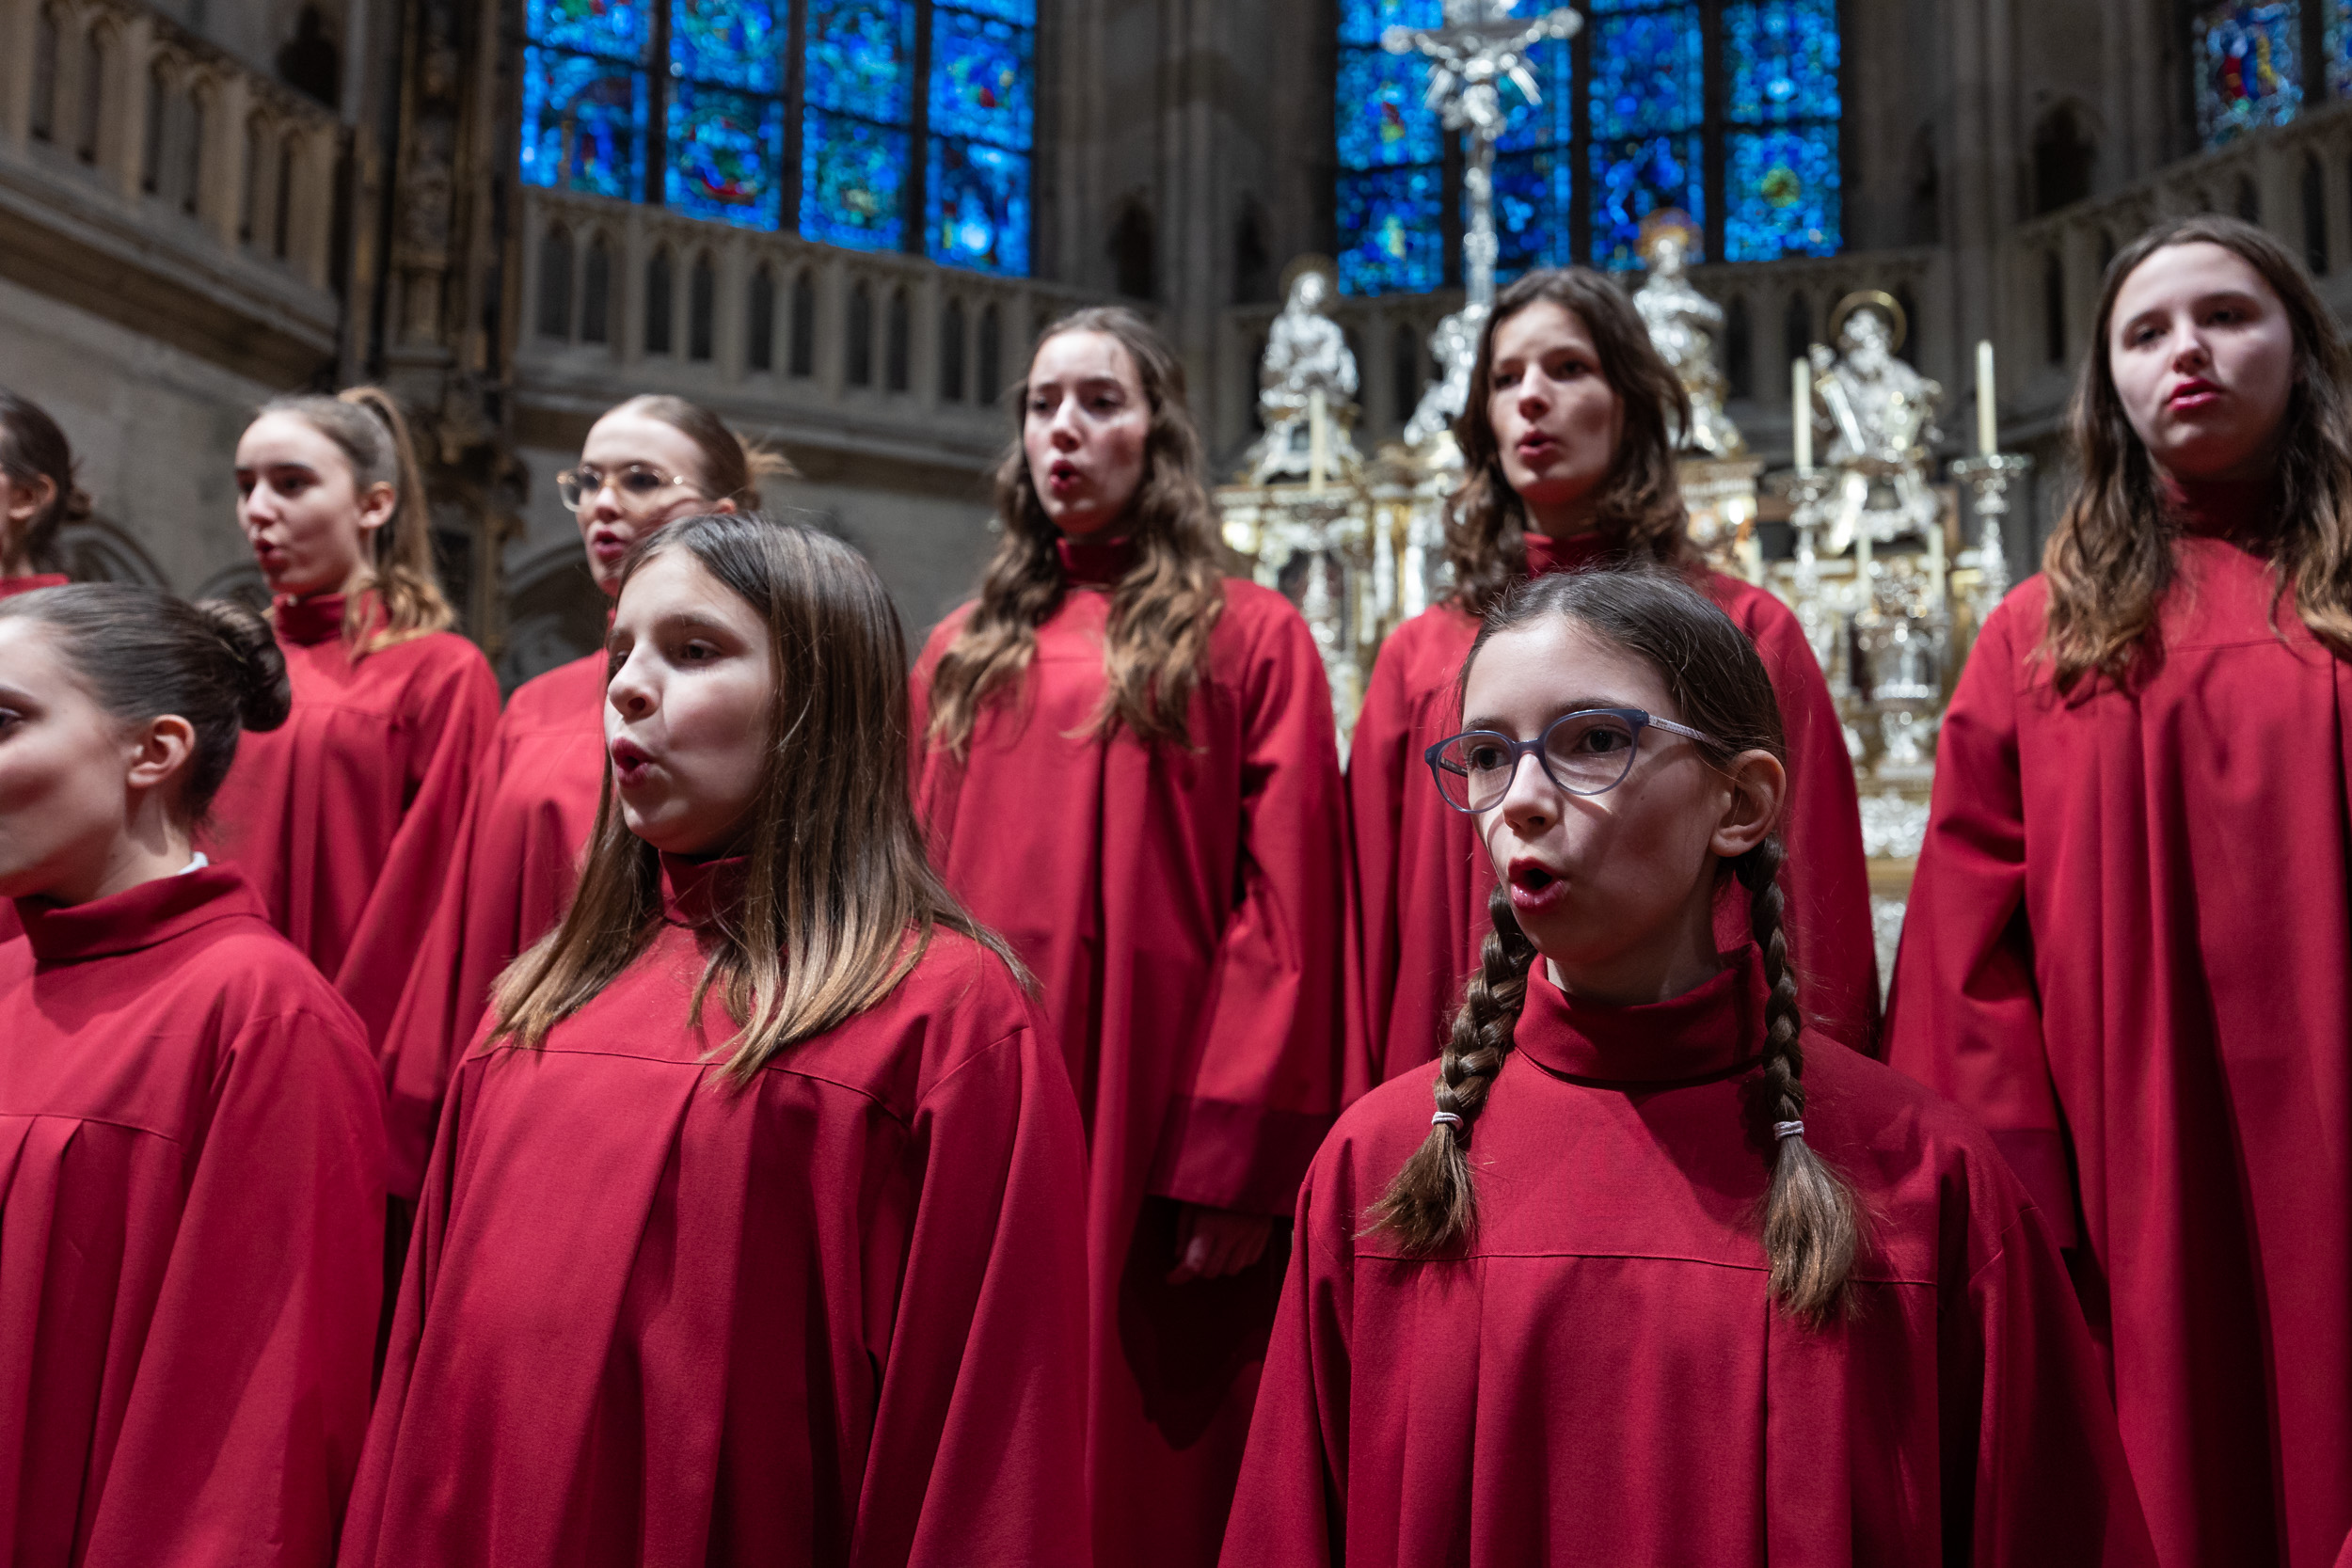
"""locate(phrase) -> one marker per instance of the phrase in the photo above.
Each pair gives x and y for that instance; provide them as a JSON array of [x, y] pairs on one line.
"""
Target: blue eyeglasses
[[1586, 752]]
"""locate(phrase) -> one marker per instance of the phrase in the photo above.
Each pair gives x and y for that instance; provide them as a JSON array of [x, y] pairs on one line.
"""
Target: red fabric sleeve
[[1273, 1059], [242, 1433], [982, 1415], [1965, 1016], [1380, 764], [2034, 1441], [453, 714]]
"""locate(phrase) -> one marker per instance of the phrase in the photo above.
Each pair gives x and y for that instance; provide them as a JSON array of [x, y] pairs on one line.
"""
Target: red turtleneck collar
[[1095, 562], [10, 587], [1709, 1030], [2244, 511], [136, 917], [693, 892], [1576, 553], [316, 619]]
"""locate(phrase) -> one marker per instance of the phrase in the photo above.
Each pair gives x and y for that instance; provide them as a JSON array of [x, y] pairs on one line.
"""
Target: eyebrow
[[1574, 705]]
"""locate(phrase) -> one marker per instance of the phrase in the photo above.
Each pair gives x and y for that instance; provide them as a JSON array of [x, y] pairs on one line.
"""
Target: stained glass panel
[[1634, 177], [861, 57], [1363, 22], [618, 29], [732, 42], [2337, 32], [1533, 196], [1781, 194], [1648, 73], [2248, 65], [725, 150], [1782, 58], [1022, 11], [980, 81], [852, 178], [1552, 121], [1382, 122], [583, 125], [978, 207], [1392, 238]]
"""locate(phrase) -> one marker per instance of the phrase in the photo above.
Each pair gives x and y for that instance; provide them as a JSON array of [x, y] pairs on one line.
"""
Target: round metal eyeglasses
[[1586, 752], [636, 484]]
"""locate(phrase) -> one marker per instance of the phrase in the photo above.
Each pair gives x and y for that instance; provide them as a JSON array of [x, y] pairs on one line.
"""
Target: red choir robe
[[509, 879], [1598, 1374], [830, 1317], [2126, 952], [1421, 877], [345, 817], [1182, 906], [191, 1208], [10, 587]]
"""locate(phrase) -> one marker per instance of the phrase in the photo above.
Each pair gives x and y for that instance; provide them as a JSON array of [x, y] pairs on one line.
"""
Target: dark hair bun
[[264, 696]]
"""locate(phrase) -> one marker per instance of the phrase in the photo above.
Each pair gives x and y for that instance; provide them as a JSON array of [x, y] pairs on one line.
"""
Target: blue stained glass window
[[1647, 73], [732, 42], [980, 79], [1382, 122], [861, 59], [1635, 177], [1363, 22], [1781, 194], [2336, 31], [725, 149], [583, 125], [617, 29], [852, 178], [979, 206], [1392, 236], [2248, 64], [1022, 11], [1782, 58], [1534, 193]]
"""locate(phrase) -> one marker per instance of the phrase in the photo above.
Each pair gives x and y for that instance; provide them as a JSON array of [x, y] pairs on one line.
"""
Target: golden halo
[[1670, 220], [1313, 262], [1876, 299]]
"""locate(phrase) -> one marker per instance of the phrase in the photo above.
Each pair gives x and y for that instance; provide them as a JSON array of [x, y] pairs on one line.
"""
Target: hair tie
[[1437, 1116], [1788, 1130]]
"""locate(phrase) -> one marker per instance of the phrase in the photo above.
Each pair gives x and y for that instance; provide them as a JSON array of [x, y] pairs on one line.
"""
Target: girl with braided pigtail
[[1615, 1283]]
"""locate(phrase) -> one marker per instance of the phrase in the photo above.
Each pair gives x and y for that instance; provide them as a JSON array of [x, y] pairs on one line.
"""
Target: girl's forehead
[[622, 437], [1556, 663], [283, 437]]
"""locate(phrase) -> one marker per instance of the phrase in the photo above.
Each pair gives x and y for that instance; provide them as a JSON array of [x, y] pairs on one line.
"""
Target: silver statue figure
[[1882, 418], [1682, 325], [1306, 352]]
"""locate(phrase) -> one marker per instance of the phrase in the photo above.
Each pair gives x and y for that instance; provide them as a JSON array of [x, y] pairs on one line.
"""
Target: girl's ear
[[377, 504], [1760, 788], [158, 749]]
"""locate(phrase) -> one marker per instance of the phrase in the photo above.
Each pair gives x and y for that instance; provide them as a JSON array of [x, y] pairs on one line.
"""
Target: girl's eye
[[697, 652], [1486, 759]]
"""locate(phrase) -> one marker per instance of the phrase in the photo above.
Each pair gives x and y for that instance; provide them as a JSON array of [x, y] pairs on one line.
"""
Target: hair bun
[[76, 508], [265, 695]]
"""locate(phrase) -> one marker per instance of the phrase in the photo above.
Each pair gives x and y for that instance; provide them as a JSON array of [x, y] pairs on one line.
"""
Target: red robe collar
[[1095, 562], [1578, 552], [136, 917], [1707, 1031]]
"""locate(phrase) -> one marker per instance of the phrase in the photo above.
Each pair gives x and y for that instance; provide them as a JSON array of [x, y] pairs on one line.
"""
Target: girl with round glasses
[[38, 496], [1129, 768], [1568, 446], [1644, 1270], [191, 1126], [645, 463], [2126, 947], [345, 819]]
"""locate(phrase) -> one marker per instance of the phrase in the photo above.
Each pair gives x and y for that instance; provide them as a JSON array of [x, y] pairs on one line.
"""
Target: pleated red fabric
[[831, 1317], [510, 876], [191, 1215], [10, 587], [343, 818], [2126, 952], [1421, 879], [1599, 1375], [1183, 908]]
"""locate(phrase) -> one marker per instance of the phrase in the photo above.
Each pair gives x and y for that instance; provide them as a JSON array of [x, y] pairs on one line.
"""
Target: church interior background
[[841, 222]]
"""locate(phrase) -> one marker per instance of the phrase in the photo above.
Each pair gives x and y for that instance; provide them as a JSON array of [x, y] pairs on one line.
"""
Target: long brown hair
[[1640, 506], [838, 900], [2111, 558], [1810, 1222], [366, 425], [733, 467], [1162, 610]]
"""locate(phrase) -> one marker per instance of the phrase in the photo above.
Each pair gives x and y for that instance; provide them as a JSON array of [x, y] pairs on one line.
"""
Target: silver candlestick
[[1989, 479]]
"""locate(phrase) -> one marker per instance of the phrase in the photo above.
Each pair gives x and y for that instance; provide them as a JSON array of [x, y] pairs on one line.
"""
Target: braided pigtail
[[1431, 1204], [1811, 1227]]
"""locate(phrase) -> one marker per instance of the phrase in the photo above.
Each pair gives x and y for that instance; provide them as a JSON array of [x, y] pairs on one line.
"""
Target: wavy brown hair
[[2112, 555], [839, 901], [1810, 1220], [1640, 497], [366, 425], [1162, 610]]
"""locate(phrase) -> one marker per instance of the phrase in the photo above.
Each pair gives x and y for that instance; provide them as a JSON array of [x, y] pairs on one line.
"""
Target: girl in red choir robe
[[1668, 1277], [754, 1230], [1568, 443], [2126, 948], [1130, 769], [345, 819], [191, 1131], [38, 496], [647, 462]]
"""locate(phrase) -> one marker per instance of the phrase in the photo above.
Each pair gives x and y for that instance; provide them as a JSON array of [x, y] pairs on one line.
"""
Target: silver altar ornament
[[1682, 325], [1307, 385], [1881, 418]]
